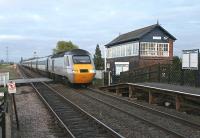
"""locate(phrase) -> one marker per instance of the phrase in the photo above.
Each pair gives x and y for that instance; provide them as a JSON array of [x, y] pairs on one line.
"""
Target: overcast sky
[[36, 25]]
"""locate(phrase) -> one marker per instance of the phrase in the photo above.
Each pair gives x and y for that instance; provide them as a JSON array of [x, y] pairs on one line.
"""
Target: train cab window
[[66, 61], [81, 59]]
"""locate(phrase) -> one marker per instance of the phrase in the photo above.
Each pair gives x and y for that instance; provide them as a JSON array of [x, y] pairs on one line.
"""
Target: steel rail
[[187, 122], [24, 75], [136, 116], [144, 107], [114, 133], [55, 114], [104, 126]]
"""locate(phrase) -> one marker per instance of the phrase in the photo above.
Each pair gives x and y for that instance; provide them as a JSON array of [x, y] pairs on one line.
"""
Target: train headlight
[[92, 71], [75, 71]]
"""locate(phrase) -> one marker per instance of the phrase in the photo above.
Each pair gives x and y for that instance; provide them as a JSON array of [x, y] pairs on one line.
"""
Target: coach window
[[66, 61]]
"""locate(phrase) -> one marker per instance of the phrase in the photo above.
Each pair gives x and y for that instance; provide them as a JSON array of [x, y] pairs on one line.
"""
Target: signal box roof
[[136, 35]]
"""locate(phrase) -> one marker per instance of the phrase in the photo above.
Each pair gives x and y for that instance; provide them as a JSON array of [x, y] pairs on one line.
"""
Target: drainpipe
[[105, 62]]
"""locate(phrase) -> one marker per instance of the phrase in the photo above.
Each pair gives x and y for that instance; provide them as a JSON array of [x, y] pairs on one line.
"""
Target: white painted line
[[174, 91]]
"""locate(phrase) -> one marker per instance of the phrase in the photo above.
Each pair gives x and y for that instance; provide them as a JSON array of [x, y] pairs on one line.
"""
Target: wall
[[99, 74], [133, 62], [148, 61], [156, 32]]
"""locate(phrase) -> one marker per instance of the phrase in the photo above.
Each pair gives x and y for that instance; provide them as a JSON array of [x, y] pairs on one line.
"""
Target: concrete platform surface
[[172, 88], [31, 80]]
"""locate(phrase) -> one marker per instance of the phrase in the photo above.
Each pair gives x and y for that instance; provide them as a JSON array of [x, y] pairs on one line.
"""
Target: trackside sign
[[190, 59], [11, 87]]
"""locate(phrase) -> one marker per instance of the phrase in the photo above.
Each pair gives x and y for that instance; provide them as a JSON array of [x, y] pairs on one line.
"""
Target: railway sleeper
[[62, 110], [94, 135], [80, 133], [73, 118], [76, 123]]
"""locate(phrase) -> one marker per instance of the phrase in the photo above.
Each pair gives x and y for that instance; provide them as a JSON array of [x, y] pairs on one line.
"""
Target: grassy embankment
[[9, 68]]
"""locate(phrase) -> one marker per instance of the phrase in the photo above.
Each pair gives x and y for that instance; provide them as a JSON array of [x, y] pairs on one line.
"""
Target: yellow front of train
[[83, 69]]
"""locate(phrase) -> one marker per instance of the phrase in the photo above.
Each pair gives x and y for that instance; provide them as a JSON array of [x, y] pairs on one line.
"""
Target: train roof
[[71, 52], [35, 58]]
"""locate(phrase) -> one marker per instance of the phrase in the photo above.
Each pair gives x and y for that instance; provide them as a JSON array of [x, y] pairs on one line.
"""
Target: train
[[76, 66]]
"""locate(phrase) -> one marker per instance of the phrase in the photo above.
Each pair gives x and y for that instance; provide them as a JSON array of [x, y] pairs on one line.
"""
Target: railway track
[[77, 122], [153, 110], [171, 131], [90, 94]]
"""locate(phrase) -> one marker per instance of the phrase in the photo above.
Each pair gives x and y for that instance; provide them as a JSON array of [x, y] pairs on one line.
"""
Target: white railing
[[4, 78]]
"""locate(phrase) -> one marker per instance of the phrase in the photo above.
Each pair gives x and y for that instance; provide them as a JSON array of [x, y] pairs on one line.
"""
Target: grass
[[9, 68], [3, 66]]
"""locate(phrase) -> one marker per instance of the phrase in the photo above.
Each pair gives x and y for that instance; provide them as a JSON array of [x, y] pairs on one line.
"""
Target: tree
[[64, 46], [176, 63], [2, 61], [98, 60]]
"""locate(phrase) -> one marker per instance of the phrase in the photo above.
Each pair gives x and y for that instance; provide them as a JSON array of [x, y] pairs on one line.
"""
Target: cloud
[[41, 23], [57, 9], [1, 17], [6, 2], [35, 17], [11, 37], [194, 22]]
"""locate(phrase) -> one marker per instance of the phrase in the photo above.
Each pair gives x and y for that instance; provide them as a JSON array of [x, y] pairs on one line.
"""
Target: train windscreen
[[81, 59]]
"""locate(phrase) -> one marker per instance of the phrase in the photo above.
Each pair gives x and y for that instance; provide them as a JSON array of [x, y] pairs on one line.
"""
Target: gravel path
[[35, 120]]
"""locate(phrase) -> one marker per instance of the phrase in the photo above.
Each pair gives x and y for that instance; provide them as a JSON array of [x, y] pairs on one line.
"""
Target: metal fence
[[3, 106], [4, 77], [164, 73], [110, 78]]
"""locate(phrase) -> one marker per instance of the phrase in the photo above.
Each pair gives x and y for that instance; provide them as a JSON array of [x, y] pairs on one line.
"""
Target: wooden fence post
[[117, 91], [182, 77], [151, 98], [197, 78], [149, 74], [159, 72], [178, 102], [169, 73], [131, 91]]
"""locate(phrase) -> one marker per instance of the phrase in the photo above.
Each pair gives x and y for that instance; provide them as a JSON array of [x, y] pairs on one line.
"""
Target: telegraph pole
[[7, 54]]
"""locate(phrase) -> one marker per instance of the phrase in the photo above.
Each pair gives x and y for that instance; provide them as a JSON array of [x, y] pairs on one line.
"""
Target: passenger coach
[[76, 65]]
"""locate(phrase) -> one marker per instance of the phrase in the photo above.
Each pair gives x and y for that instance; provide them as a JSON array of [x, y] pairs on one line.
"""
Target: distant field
[[3, 66], [10, 69]]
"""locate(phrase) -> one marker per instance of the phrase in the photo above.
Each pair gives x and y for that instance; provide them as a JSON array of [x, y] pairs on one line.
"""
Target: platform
[[176, 91], [20, 81], [192, 91]]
